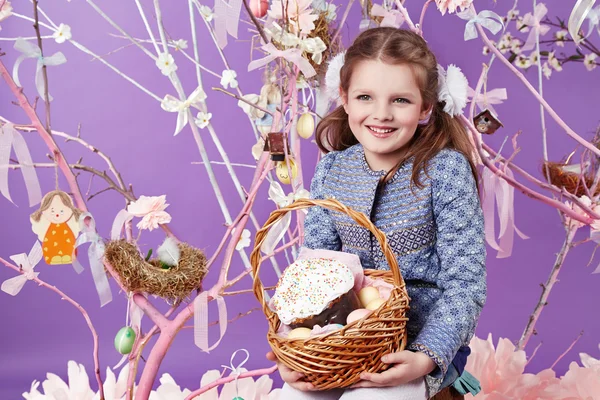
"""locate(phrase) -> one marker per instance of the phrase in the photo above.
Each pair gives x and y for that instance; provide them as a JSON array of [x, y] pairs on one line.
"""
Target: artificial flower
[[115, 388], [590, 61], [152, 211], [585, 201], [258, 148], [332, 76], [452, 5], [560, 37], [62, 33], [534, 57], [546, 70], [180, 44], [78, 387], [166, 63], [203, 119], [515, 46], [5, 11], [578, 383], [169, 390], [244, 240], [206, 13], [253, 112], [315, 46], [324, 7], [228, 79], [452, 89], [299, 14], [512, 14], [523, 62], [553, 61]]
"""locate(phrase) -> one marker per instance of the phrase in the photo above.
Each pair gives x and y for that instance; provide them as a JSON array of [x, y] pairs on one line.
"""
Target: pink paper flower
[[298, 13], [452, 5], [578, 383], [152, 211], [248, 389]]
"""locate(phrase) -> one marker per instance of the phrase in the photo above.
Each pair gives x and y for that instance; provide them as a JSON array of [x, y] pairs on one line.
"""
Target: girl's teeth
[[381, 130]]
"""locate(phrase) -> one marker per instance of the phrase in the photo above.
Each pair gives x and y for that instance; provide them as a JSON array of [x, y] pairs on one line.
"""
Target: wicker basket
[[336, 359]]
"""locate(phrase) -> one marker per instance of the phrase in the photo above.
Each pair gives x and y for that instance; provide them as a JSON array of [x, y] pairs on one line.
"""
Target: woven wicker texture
[[336, 359]]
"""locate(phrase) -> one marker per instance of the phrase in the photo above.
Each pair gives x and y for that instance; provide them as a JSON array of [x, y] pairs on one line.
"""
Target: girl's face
[[384, 106], [58, 212]]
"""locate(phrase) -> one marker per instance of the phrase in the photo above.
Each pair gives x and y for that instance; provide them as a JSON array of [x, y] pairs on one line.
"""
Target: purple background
[[40, 333]]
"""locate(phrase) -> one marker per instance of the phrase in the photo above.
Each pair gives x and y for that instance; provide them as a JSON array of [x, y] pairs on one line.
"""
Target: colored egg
[[367, 295], [299, 333], [305, 126], [357, 314], [375, 304], [124, 340], [259, 7], [336, 326], [282, 171]]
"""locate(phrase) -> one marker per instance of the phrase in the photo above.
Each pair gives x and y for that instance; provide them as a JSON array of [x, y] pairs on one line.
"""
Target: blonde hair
[[399, 46], [47, 200]]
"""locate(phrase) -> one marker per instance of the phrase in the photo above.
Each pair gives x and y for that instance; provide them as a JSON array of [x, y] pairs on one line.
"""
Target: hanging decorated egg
[[305, 126], [259, 7], [124, 340], [282, 171]]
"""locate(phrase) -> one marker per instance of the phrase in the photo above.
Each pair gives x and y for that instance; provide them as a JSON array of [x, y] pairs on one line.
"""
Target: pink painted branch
[[151, 311], [46, 136], [299, 181], [547, 288], [567, 350], [425, 6], [342, 21], [547, 107], [90, 325], [404, 13], [222, 381]]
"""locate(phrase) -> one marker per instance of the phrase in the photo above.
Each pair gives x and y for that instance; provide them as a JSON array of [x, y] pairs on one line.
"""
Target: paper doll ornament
[[56, 224]]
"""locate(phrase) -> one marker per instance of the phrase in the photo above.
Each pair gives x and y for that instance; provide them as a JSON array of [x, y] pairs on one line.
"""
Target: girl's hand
[[408, 367], [290, 377]]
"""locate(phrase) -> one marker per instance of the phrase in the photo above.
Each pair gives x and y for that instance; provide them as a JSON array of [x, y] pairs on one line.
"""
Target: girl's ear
[[344, 99], [426, 113]]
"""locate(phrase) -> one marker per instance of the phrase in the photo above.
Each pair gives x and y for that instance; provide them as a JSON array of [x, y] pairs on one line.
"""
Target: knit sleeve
[[460, 248], [319, 230]]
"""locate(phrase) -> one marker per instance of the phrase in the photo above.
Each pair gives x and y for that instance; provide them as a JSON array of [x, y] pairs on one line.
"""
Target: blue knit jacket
[[436, 233]]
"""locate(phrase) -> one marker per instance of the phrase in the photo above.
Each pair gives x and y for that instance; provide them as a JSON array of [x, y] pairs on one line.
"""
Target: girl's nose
[[383, 112]]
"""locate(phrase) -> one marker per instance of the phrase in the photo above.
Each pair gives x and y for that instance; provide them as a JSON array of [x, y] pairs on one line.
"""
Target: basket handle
[[331, 204]]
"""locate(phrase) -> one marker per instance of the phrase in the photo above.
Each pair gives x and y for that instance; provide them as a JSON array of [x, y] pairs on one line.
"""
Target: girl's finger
[[365, 384], [303, 386], [400, 357]]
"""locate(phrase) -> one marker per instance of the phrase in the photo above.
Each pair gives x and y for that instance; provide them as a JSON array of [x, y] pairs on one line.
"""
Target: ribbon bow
[[485, 18], [237, 370], [201, 319], [581, 11], [292, 55], [391, 18], [172, 104], [31, 50], [95, 254], [14, 285], [533, 20], [9, 138], [227, 16], [486, 99], [499, 191]]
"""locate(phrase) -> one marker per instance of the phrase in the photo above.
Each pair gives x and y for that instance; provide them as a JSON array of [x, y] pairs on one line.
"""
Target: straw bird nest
[[138, 275], [571, 181]]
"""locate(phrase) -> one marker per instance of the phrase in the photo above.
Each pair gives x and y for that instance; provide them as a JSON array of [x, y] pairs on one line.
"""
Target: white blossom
[[62, 33], [166, 64], [590, 61], [202, 119], [228, 79]]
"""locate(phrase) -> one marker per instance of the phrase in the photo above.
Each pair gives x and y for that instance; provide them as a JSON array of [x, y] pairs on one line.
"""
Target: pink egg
[[259, 7], [357, 314]]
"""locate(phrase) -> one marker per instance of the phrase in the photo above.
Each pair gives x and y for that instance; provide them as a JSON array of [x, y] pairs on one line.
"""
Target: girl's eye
[[62, 211], [364, 97], [402, 100]]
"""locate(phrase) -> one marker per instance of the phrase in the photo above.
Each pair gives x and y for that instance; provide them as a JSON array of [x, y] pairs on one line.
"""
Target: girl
[[394, 154]]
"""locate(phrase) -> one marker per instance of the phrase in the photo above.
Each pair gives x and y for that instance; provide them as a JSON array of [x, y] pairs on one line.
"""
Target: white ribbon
[[533, 21], [201, 319], [172, 104], [31, 50], [121, 219], [486, 99], [227, 16], [95, 255], [292, 55], [581, 11], [14, 285], [11, 138], [487, 19]]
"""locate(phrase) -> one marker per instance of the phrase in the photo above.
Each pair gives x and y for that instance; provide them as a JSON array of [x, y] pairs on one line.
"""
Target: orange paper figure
[[57, 225]]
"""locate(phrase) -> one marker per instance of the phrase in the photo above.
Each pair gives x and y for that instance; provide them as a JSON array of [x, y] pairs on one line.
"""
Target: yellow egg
[[305, 126], [282, 171], [299, 333], [357, 314], [375, 304], [367, 295]]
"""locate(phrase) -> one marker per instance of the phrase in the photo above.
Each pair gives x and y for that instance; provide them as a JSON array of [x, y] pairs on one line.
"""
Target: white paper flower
[[77, 388], [5, 11], [560, 37], [452, 89], [169, 390], [115, 388], [206, 13], [590, 61], [315, 46], [180, 44], [166, 64], [244, 240], [332, 76], [62, 33], [228, 79], [546, 70], [553, 61], [202, 119]]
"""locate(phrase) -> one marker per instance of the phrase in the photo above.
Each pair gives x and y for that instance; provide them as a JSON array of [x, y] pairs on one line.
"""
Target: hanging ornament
[[305, 126], [259, 7], [124, 340], [57, 225], [282, 171], [237, 371]]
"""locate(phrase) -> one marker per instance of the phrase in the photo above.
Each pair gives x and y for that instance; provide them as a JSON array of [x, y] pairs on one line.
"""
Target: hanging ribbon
[[497, 190], [236, 371], [580, 12], [485, 100], [11, 138], [201, 319], [292, 55], [227, 15], [487, 19], [121, 219], [31, 50], [172, 104], [14, 285], [95, 255], [533, 20], [391, 18]]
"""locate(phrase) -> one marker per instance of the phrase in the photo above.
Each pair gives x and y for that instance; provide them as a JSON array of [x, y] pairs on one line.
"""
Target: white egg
[[375, 304], [299, 333], [367, 295]]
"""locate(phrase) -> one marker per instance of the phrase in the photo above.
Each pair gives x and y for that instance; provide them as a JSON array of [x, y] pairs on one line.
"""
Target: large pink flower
[[578, 383], [152, 211], [452, 5], [299, 13]]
